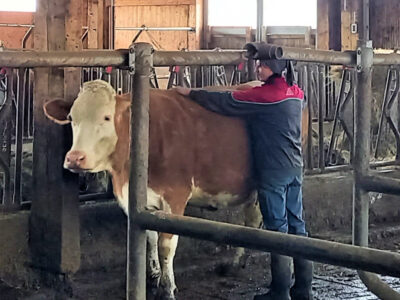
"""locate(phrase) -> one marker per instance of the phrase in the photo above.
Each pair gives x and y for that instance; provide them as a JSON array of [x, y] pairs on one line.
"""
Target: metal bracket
[[131, 60], [362, 60]]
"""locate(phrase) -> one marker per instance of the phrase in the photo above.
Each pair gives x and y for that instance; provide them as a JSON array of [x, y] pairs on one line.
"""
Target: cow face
[[92, 119]]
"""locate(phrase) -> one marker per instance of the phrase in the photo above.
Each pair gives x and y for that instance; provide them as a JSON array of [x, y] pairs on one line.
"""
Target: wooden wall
[[228, 37], [231, 37], [349, 16], [95, 20], [12, 36], [291, 36], [385, 23], [322, 25], [334, 21], [159, 13]]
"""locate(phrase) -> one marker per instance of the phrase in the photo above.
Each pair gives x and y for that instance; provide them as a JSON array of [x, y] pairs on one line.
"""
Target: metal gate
[[141, 59]]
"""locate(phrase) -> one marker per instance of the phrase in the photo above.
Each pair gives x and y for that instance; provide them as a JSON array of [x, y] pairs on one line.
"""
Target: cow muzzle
[[75, 161]]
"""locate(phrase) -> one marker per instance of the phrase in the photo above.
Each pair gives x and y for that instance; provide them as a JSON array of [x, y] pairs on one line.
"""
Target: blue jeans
[[281, 201]]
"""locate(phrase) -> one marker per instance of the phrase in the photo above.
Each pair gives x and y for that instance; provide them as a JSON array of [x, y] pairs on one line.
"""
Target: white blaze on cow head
[[92, 118]]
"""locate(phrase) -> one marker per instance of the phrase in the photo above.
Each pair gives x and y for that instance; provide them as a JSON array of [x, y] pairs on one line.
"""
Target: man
[[273, 113]]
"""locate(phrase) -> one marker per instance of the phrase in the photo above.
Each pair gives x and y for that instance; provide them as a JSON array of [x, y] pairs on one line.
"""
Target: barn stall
[[56, 222]]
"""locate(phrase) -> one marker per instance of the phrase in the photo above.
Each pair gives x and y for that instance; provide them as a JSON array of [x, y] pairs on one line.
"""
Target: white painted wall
[[18, 5], [276, 13]]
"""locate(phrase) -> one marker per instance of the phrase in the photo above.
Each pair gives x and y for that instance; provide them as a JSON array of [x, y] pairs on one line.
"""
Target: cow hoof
[[153, 282], [166, 295]]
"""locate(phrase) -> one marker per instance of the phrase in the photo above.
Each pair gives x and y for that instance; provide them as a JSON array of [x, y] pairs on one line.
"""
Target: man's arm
[[223, 102]]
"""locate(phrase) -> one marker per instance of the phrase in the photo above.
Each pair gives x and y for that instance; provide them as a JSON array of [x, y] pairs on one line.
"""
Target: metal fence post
[[140, 62]]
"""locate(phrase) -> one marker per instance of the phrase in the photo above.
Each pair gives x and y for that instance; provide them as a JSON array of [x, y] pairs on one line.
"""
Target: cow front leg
[[153, 262], [167, 246]]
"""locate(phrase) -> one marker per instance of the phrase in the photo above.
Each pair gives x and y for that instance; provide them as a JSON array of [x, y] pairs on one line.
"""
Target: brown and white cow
[[194, 155]]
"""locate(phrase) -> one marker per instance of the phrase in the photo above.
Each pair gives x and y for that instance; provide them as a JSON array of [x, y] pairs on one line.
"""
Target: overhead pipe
[[260, 17]]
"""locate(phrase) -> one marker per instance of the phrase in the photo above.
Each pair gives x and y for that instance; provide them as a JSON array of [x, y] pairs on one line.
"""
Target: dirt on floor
[[209, 277]]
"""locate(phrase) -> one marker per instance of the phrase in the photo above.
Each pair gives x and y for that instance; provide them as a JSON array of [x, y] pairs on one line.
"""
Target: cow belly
[[154, 200], [222, 199]]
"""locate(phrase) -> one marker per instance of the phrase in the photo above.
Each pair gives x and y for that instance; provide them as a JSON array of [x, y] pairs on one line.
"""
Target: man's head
[[267, 68]]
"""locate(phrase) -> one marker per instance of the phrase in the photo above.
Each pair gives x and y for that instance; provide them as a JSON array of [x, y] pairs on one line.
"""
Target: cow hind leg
[[252, 218], [167, 246], [153, 262]]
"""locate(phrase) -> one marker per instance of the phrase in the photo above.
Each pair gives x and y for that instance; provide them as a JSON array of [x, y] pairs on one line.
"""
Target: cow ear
[[57, 110]]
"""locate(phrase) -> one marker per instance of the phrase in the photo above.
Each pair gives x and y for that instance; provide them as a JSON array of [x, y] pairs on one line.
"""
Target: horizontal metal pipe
[[25, 25], [16, 25], [339, 168], [119, 58], [95, 58], [347, 58], [193, 58], [96, 196], [372, 260], [380, 184], [157, 28], [386, 59]]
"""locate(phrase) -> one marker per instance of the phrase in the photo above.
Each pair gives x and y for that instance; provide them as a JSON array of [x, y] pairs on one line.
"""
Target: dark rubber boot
[[281, 278], [303, 274]]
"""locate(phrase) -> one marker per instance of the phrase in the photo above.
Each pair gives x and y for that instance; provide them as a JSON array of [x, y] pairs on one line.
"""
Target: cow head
[[92, 117]]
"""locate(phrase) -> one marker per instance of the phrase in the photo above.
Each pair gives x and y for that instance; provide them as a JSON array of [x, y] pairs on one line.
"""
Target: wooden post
[[93, 23], [335, 19], [322, 25], [54, 230]]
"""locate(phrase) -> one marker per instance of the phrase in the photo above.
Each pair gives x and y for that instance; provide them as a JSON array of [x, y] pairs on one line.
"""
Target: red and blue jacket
[[273, 113]]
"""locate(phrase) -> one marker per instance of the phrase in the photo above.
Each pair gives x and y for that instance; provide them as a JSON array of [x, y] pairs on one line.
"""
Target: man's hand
[[182, 90]]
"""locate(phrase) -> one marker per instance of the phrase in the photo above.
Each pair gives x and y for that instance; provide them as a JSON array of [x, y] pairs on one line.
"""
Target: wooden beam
[[153, 2], [192, 42], [100, 24], [199, 23], [93, 24], [335, 19], [54, 220], [322, 25]]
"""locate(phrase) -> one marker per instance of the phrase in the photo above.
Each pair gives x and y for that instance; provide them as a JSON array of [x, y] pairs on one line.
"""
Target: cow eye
[[107, 118]]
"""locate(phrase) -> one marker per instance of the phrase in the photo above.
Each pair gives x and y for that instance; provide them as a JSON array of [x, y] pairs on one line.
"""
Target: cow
[[195, 156]]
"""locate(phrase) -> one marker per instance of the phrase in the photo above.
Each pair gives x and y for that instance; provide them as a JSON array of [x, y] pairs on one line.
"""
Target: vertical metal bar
[[362, 153], [361, 149], [361, 167], [364, 20], [202, 76], [136, 265], [19, 135], [193, 76], [310, 129], [30, 104], [336, 116], [7, 197], [321, 115], [251, 69], [260, 16], [117, 84]]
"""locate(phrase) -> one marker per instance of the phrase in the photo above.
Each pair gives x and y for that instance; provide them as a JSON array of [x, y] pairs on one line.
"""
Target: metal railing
[[139, 220]]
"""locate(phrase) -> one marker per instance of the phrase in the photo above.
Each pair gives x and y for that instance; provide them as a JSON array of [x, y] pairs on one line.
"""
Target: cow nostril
[[81, 158]]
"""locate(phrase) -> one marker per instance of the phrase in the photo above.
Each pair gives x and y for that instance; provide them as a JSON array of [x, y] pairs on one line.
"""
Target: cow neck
[[120, 156]]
